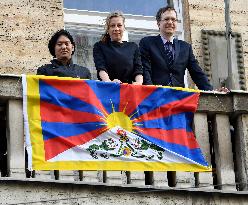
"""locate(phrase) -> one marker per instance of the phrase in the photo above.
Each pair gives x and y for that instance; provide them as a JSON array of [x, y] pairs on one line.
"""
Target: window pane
[[135, 7], [83, 55]]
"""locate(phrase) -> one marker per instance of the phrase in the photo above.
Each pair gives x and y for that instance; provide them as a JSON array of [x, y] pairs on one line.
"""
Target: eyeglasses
[[173, 20]]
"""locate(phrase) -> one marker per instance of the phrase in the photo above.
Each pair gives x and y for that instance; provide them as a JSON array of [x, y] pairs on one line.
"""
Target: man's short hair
[[54, 39], [162, 10]]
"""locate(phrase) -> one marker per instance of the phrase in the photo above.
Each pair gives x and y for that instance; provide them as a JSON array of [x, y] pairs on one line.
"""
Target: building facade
[[25, 28], [210, 15]]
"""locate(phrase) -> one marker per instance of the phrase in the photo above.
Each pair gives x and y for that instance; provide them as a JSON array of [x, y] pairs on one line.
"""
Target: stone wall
[[25, 27], [48, 192], [210, 15]]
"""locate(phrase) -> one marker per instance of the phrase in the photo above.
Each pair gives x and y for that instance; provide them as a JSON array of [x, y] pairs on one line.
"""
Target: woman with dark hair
[[62, 47], [117, 60]]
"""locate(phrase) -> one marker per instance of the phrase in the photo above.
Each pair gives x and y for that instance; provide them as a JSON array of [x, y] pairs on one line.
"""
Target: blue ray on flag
[[177, 121], [55, 129], [157, 99], [56, 97], [108, 94]]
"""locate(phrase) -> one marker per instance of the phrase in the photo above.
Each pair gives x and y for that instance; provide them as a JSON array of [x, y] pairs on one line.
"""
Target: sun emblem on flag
[[119, 119]]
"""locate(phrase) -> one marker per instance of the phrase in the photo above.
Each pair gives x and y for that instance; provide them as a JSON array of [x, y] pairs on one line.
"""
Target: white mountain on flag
[[117, 144]]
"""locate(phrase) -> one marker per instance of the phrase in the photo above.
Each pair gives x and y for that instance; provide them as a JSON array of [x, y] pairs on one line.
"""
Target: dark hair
[[162, 10], [105, 37], [54, 39]]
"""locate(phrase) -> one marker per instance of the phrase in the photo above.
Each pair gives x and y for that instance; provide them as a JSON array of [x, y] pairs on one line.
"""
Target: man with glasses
[[166, 58]]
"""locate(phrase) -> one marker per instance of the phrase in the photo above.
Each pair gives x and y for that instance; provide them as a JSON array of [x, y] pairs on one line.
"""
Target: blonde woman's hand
[[137, 83], [116, 81]]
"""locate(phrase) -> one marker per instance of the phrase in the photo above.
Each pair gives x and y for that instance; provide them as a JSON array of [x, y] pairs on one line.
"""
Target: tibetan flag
[[75, 124]]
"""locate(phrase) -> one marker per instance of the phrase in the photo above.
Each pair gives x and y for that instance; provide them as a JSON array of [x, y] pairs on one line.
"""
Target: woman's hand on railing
[[137, 83], [116, 81], [223, 89]]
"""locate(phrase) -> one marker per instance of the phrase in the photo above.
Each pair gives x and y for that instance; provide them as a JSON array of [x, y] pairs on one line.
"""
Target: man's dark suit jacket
[[156, 70]]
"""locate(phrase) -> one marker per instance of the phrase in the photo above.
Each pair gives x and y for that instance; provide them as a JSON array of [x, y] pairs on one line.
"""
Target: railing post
[[204, 179], [241, 150], [137, 178], [68, 175], [160, 179], [185, 180], [91, 176], [116, 177], [223, 153], [15, 139]]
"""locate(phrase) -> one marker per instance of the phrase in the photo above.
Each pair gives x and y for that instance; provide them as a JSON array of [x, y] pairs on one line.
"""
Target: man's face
[[63, 49], [168, 23]]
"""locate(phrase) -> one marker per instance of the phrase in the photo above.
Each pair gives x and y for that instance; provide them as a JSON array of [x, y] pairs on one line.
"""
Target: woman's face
[[116, 28], [63, 49]]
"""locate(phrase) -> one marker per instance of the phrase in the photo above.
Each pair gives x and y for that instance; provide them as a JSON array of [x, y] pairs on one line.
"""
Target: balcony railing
[[221, 128]]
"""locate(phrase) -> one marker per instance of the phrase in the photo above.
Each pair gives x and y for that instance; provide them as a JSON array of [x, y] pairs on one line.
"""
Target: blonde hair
[[105, 37]]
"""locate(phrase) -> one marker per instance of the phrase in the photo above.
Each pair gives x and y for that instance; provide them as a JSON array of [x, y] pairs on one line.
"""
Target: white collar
[[165, 40]]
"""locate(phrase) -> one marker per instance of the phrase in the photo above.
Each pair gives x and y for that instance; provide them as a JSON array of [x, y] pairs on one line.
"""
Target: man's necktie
[[170, 60], [169, 54]]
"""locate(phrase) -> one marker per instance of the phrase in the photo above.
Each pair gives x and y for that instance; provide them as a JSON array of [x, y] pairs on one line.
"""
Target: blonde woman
[[117, 60]]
